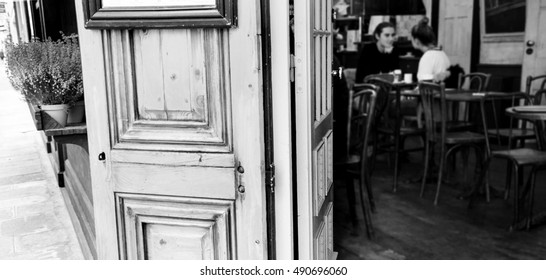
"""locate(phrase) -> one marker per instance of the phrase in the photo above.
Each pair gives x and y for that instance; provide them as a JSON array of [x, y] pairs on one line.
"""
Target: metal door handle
[[338, 73]]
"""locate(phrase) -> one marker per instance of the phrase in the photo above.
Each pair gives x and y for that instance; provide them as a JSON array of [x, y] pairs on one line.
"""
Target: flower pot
[[57, 112], [76, 113]]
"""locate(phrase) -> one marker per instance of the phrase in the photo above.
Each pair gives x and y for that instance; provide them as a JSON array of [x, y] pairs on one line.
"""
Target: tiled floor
[[34, 222]]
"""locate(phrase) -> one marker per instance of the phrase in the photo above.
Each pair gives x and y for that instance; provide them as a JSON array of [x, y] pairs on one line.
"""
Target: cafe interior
[[441, 164]]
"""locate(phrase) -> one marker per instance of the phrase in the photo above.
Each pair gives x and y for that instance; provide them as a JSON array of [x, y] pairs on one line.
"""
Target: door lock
[[338, 73], [102, 156]]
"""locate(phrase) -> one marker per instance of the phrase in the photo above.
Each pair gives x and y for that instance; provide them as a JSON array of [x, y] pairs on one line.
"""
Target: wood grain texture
[[94, 73], [174, 159], [161, 95], [247, 106], [174, 180], [155, 227]]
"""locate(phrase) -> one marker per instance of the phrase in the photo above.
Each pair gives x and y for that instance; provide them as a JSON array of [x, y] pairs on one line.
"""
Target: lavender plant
[[46, 72]]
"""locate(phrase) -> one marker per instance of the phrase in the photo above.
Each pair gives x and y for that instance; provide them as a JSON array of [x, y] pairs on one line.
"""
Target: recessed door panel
[[156, 227], [167, 89]]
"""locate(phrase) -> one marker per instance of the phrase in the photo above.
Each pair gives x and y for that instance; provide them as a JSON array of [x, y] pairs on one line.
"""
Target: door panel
[[177, 117], [455, 31], [159, 105], [156, 227], [534, 63], [313, 41]]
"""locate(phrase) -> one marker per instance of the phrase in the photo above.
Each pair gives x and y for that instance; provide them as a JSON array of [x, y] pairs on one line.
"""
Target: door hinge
[[292, 68], [270, 177]]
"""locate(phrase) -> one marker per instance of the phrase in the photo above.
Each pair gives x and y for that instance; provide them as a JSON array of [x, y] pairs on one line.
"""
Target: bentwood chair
[[522, 133], [517, 160], [385, 124], [436, 133], [521, 156], [361, 110], [475, 81]]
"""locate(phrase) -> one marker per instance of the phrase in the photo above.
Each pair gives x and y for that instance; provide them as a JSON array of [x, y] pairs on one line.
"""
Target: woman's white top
[[432, 63]]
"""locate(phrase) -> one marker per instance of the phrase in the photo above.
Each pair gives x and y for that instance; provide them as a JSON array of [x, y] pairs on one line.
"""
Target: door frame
[[282, 132]]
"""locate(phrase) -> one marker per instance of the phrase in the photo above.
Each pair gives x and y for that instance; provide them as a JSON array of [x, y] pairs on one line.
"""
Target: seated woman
[[433, 65], [380, 57]]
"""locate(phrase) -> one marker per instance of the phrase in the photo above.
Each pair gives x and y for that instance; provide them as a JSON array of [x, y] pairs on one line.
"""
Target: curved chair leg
[[349, 184], [464, 153], [365, 203], [369, 190], [396, 163], [486, 177], [531, 198], [516, 199], [440, 173], [480, 160], [425, 168], [508, 180]]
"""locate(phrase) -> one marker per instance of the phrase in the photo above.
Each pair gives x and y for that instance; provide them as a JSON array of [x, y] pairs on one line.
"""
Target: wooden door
[[534, 56], [313, 51], [176, 145], [455, 31]]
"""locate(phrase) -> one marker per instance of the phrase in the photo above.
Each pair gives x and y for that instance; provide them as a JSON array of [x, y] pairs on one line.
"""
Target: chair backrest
[[361, 120], [384, 83], [474, 81], [350, 76], [387, 77], [434, 120], [540, 97], [532, 80]]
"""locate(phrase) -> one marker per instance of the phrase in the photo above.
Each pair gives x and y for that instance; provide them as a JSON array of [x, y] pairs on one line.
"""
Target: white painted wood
[[171, 156], [313, 122], [157, 3], [171, 159], [282, 136], [534, 64], [304, 127], [156, 227], [455, 31], [246, 73], [174, 180], [98, 137]]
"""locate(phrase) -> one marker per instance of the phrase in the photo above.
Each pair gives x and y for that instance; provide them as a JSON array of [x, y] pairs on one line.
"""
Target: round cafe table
[[531, 113]]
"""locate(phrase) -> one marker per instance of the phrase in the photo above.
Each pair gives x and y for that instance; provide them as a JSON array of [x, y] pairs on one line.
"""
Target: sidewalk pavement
[[34, 221]]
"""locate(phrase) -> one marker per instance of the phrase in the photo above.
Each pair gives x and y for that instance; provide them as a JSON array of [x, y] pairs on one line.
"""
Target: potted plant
[[48, 74]]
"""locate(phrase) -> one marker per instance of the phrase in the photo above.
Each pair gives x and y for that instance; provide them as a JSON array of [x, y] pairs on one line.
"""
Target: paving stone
[[36, 176], [52, 244], [6, 247], [7, 213], [26, 225], [34, 222]]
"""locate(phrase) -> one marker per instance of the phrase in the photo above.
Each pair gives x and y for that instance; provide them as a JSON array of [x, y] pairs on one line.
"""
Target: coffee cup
[[397, 75], [408, 78]]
